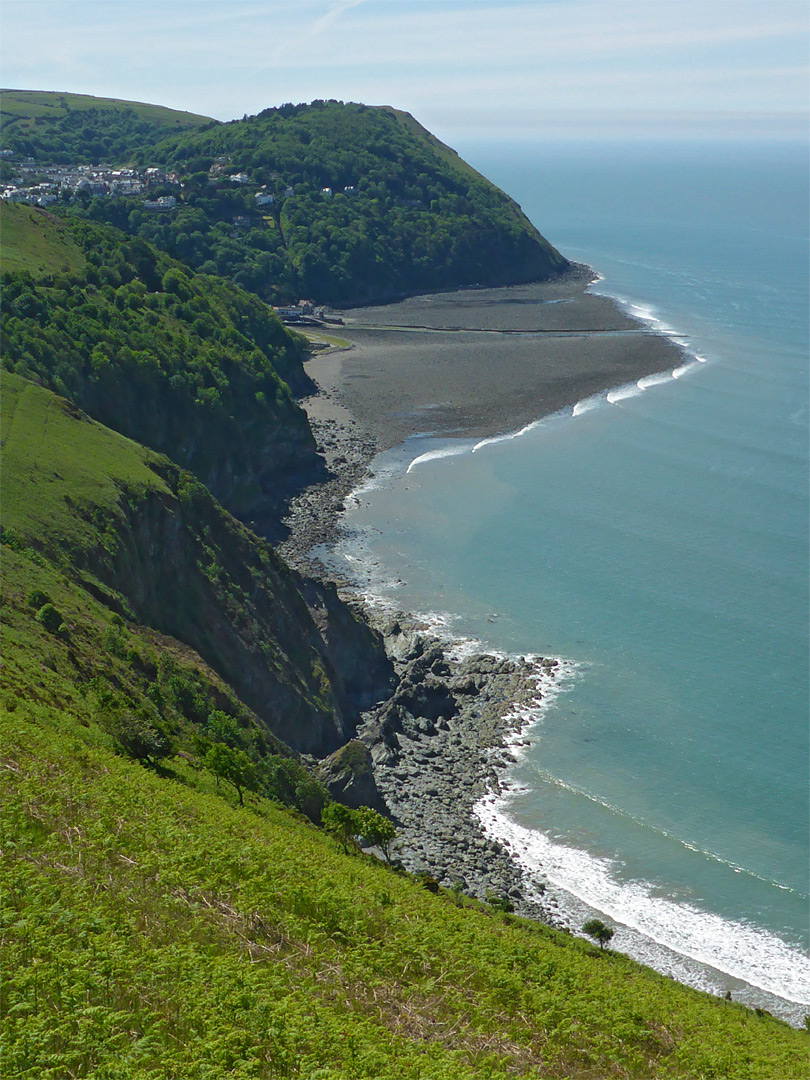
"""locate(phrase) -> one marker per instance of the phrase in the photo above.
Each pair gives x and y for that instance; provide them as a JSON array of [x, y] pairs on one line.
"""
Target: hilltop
[[336, 202], [63, 127]]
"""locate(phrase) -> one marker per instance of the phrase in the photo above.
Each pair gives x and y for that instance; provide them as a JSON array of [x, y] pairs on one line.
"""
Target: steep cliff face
[[191, 571], [188, 364], [146, 538]]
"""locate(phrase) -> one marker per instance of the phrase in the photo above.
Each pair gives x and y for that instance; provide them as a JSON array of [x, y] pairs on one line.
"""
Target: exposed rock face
[[303, 661], [436, 746], [348, 776]]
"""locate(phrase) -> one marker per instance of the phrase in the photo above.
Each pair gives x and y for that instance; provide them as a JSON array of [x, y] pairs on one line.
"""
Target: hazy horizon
[[520, 70]]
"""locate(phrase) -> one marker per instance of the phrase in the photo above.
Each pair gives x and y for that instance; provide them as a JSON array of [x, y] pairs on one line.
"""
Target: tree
[[375, 830], [595, 928], [231, 765], [138, 738], [51, 618], [341, 822]]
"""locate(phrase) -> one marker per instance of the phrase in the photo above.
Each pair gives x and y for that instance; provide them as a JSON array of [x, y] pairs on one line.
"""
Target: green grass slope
[[152, 927], [190, 365], [150, 930], [415, 218], [80, 129], [35, 242]]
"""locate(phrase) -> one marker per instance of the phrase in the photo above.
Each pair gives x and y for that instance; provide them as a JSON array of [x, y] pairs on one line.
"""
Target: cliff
[[131, 530]]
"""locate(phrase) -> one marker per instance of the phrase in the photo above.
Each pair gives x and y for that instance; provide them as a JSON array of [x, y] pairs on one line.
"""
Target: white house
[[165, 202]]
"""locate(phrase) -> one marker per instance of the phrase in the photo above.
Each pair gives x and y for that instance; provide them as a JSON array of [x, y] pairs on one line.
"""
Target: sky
[[466, 69]]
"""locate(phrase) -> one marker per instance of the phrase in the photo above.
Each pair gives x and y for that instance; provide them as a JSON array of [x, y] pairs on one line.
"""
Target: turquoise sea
[[656, 539]]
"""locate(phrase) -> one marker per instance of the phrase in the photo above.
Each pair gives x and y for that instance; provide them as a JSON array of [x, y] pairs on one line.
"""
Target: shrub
[[500, 903], [50, 618], [138, 738], [428, 882], [375, 830], [232, 765], [595, 928], [341, 823]]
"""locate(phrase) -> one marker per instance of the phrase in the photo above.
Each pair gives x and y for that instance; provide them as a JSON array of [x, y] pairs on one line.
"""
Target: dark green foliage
[[341, 823], [189, 365], [362, 827], [137, 737], [287, 781], [75, 128], [375, 830], [595, 928], [49, 617], [500, 903], [417, 219], [428, 882], [232, 765]]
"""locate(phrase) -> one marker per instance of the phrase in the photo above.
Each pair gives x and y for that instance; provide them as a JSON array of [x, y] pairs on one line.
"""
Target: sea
[[654, 539]]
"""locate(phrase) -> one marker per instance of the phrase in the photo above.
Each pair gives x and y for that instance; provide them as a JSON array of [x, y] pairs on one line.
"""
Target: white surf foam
[[737, 949], [441, 452], [654, 380], [587, 404], [687, 369], [621, 393], [494, 439]]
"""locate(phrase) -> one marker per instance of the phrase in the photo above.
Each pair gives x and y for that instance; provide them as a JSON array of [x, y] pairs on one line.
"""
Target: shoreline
[[434, 771], [491, 363]]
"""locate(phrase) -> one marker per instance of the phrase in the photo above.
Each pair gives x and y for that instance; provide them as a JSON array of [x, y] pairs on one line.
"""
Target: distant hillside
[[354, 204], [77, 128], [190, 365]]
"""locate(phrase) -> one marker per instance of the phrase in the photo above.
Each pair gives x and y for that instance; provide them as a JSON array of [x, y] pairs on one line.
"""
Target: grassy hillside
[[403, 213], [130, 530], [152, 930], [80, 129], [190, 365], [37, 243]]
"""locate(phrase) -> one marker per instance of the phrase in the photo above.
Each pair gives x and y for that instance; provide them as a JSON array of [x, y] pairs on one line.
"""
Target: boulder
[[348, 776]]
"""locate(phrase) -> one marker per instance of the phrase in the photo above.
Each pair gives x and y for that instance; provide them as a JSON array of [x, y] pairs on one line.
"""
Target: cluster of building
[[305, 313], [39, 184]]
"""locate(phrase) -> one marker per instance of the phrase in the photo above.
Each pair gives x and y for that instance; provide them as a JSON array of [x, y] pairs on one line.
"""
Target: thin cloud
[[332, 16]]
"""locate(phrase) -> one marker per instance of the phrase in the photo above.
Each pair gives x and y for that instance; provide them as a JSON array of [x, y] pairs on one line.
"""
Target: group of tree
[[414, 218], [189, 364], [71, 129]]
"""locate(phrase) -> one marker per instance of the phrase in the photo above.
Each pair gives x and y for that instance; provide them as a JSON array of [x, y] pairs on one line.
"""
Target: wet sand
[[482, 362]]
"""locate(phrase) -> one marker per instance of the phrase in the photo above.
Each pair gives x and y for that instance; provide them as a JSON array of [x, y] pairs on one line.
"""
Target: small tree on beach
[[595, 928]]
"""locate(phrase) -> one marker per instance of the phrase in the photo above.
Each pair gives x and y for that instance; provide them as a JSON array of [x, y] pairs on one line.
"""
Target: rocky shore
[[438, 745]]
